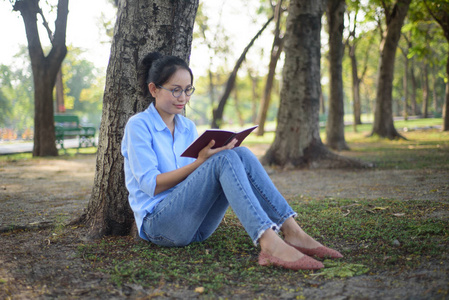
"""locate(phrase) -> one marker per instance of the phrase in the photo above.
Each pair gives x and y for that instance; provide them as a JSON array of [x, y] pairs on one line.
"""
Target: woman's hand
[[207, 151], [167, 180]]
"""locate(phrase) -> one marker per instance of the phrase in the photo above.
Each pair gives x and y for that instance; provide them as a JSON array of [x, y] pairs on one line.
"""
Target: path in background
[[27, 147]]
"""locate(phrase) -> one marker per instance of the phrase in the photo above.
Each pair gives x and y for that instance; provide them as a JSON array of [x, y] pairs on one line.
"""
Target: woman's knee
[[228, 154], [243, 151]]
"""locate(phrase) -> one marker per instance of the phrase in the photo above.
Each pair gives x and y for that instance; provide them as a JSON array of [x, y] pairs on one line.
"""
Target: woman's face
[[166, 104]]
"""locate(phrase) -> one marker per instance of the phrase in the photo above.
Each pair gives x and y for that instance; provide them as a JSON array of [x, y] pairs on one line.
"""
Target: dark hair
[[159, 68]]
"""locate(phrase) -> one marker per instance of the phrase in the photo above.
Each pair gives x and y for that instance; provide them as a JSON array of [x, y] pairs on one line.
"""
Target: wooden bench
[[68, 126]]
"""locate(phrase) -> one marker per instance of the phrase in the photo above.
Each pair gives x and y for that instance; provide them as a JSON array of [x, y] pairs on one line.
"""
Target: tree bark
[[383, 115], [45, 69], [335, 127], [141, 27], [217, 114], [297, 143], [276, 50]]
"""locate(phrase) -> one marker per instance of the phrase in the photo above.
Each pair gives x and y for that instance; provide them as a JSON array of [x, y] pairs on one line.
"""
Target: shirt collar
[[160, 125]]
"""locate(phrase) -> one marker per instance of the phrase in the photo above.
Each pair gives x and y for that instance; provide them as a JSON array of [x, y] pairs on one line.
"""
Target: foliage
[[83, 90], [84, 86], [16, 94]]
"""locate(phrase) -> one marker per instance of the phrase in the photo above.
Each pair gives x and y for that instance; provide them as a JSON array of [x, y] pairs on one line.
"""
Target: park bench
[[68, 126]]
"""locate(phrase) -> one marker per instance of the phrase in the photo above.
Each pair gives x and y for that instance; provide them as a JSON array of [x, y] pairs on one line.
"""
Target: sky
[[84, 32]]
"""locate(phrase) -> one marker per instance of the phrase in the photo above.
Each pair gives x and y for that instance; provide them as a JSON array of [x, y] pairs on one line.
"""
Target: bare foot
[[294, 235], [273, 245]]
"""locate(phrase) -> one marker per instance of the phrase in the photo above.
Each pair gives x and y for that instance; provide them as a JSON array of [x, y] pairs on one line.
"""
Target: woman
[[179, 200]]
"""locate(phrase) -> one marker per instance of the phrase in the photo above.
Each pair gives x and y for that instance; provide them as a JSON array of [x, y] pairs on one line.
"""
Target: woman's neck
[[169, 121]]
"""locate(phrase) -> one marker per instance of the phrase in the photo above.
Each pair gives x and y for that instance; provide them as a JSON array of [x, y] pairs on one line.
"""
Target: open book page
[[221, 138]]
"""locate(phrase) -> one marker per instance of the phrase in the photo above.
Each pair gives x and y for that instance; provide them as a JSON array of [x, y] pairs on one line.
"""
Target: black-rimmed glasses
[[177, 91]]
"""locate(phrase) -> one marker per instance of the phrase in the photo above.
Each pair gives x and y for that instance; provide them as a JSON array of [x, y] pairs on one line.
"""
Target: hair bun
[[149, 59]]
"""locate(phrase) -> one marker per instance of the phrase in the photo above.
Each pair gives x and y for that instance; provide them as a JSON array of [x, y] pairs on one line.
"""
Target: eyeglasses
[[177, 91]]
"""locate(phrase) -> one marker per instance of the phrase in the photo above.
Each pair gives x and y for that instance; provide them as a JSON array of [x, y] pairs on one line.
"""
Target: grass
[[374, 235]]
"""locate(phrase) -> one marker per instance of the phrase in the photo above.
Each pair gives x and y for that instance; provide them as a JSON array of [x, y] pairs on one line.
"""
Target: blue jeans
[[195, 208]]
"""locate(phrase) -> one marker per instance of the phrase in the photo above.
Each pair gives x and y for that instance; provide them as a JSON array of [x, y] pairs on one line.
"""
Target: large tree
[[335, 127], [45, 68], [141, 27], [395, 14], [297, 142]]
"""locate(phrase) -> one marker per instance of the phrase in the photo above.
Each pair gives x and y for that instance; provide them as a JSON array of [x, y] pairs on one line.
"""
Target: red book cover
[[221, 138]]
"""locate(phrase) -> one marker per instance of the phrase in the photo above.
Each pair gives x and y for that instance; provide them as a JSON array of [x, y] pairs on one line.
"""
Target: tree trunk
[[276, 50], [434, 93], [383, 115], [297, 143], [141, 27], [425, 91], [217, 115], [45, 69], [357, 107], [446, 96], [440, 12], [335, 127], [415, 110], [405, 83], [60, 107]]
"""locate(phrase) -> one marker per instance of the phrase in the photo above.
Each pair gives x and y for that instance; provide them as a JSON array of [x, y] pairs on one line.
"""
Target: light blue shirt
[[150, 149]]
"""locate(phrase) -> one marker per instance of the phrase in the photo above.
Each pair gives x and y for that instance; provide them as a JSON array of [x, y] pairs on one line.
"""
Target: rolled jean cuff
[[292, 215], [273, 226]]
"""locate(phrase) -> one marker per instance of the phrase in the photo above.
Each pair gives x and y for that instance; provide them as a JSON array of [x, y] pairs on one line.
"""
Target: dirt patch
[[44, 262]]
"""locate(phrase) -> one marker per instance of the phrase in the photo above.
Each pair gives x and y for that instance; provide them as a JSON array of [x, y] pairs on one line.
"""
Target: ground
[[40, 258]]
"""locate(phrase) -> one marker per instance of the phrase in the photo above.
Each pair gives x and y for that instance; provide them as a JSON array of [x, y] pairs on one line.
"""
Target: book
[[221, 138]]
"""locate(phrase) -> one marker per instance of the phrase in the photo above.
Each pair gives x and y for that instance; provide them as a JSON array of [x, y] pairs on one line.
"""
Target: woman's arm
[[165, 181]]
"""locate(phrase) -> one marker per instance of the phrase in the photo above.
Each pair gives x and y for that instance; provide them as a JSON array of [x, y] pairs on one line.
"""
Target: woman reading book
[[180, 200]]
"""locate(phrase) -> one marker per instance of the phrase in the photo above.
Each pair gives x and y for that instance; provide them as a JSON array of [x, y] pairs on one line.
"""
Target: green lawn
[[375, 236]]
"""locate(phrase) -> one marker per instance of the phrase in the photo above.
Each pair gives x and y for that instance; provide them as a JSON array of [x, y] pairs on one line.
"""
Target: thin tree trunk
[[446, 101], [415, 110], [335, 127], [440, 12], [276, 50], [425, 91], [434, 94], [217, 115], [60, 106], [322, 104], [356, 106], [405, 83]]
